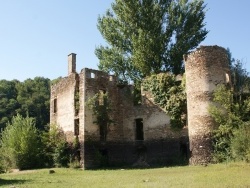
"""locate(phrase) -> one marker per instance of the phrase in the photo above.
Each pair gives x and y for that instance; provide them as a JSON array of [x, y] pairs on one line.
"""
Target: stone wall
[[91, 83], [206, 68], [121, 147], [162, 152], [62, 104], [158, 145]]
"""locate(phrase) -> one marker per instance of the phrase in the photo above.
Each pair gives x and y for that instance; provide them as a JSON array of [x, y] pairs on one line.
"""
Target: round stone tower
[[206, 68]]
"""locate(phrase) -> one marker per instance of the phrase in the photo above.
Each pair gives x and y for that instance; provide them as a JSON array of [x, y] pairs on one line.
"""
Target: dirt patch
[[17, 171]]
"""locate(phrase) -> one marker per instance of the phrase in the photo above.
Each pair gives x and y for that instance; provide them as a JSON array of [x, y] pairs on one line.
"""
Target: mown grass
[[219, 175]]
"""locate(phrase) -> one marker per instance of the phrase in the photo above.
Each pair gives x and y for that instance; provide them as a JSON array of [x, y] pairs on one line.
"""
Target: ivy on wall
[[170, 95], [77, 102], [101, 107]]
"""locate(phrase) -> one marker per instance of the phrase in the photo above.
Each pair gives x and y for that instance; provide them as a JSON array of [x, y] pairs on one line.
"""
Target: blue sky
[[37, 36]]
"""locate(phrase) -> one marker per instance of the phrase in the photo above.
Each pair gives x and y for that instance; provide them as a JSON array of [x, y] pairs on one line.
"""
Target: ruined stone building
[[205, 68], [138, 133]]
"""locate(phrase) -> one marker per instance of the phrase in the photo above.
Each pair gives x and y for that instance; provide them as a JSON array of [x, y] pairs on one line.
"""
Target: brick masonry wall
[[64, 94], [162, 152], [206, 67], [162, 144], [121, 133], [91, 82]]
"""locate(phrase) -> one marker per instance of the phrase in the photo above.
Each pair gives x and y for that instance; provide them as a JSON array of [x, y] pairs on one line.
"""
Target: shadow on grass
[[11, 182], [131, 167]]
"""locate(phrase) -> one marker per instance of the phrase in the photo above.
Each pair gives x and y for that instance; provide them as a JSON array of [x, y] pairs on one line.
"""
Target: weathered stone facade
[[205, 68], [139, 134]]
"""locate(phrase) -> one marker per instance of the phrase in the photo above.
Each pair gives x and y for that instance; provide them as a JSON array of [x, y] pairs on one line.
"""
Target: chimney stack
[[71, 63]]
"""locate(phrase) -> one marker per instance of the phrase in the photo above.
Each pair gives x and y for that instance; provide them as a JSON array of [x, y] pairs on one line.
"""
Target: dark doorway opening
[[139, 129]]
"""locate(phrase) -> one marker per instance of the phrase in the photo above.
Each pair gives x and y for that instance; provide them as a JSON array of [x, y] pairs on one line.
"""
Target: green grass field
[[219, 175]]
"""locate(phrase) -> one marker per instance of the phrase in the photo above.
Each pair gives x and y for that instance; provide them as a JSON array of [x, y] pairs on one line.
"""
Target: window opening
[[227, 78], [55, 105], [111, 78], [92, 75], [76, 127]]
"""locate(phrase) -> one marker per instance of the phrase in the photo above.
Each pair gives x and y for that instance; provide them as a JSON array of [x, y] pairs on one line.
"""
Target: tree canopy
[[149, 36], [30, 97]]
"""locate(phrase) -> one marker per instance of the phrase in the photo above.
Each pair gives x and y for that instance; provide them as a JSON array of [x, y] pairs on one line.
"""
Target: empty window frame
[[76, 127], [55, 105], [92, 75]]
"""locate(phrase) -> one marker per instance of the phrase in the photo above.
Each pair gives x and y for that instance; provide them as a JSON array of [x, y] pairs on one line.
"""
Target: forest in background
[[28, 98]]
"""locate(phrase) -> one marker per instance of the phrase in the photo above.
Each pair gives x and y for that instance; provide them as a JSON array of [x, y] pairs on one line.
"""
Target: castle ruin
[[138, 134], [205, 68]]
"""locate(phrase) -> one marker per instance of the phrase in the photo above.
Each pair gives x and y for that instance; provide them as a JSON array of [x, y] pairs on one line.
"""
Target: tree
[[240, 79], [8, 102], [30, 97], [231, 135], [149, 36], [55, 147], [34, 98], [19, 144]]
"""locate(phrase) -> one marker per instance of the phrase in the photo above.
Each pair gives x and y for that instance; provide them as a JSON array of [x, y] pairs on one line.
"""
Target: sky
[[37, 36]]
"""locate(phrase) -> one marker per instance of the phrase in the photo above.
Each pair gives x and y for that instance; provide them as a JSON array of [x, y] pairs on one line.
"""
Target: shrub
[[231, 136], [20, 144], [223, 113], [240, 144], [55, 150], [75, 154]]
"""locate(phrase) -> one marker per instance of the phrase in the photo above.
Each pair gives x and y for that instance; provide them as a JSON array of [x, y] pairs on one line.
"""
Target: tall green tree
[[8, 102], [34, 98], [149, 36], [29, 97]]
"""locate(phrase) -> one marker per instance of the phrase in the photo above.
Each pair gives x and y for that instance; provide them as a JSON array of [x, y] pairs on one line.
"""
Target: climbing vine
[[170, 95], [101, 106], [77, 102]]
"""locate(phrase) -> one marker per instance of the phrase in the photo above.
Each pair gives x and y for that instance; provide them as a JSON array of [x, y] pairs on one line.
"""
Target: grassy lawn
[[220, 175]]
